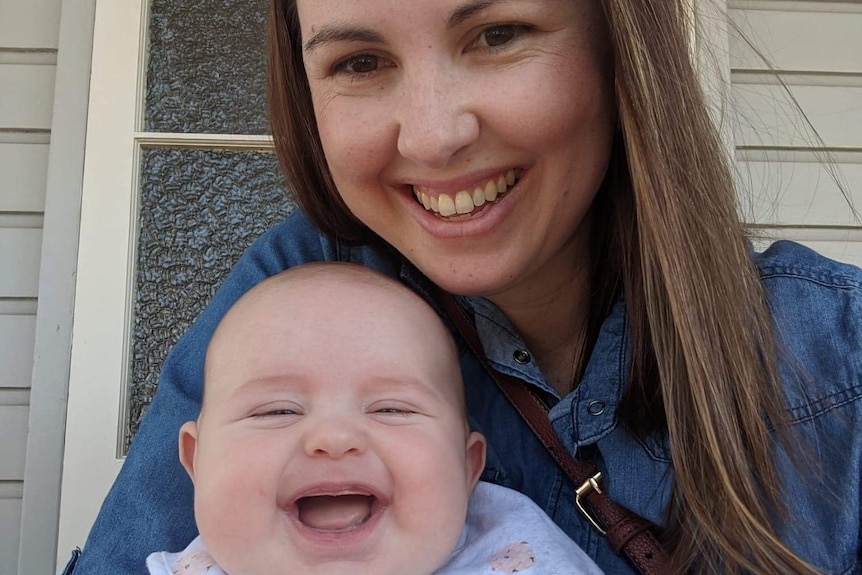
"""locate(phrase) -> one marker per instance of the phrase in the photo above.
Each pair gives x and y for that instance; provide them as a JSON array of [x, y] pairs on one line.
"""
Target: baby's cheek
[[226, 505]]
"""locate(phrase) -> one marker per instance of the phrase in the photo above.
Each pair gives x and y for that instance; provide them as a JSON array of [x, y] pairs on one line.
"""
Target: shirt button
[[596, 407], [522, 356]]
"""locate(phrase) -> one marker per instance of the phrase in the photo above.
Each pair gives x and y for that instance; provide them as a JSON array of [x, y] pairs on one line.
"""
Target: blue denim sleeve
[[817, 310], [150, 505]]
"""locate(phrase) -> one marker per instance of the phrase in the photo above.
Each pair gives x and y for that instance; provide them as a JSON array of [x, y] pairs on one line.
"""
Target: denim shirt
[[816, 306]]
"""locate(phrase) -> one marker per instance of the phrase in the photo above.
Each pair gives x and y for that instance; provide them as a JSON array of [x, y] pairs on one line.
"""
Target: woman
[[553, 162]]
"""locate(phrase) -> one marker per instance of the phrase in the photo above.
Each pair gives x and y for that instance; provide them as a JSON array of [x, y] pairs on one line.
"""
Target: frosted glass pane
[[206, 67], [199, 211]]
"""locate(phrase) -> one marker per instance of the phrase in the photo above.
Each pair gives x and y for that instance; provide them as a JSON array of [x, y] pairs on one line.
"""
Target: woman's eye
[[498, 36], [359, 65]]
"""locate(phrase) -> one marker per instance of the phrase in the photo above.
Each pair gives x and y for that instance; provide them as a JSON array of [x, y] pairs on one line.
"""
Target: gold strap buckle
[[591, 484]]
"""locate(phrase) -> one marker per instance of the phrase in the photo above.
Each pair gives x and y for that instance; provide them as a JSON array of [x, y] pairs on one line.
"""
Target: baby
[[333, 440]]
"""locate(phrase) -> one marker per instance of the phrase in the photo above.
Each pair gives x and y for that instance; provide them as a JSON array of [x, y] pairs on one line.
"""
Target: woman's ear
[[475, 456], [188, 442]]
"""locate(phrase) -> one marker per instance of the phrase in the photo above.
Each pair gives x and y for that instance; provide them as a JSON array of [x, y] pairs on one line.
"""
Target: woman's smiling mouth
[[465, 202]]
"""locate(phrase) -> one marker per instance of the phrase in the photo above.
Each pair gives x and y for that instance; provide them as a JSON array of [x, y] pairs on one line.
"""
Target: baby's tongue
[[334, 513]]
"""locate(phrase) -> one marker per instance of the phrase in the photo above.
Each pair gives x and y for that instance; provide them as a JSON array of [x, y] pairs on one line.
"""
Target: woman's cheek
[[358, 135]]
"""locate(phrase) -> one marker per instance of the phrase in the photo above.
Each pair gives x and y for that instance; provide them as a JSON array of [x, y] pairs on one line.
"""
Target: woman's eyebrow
[[467, 11], [342, 33]]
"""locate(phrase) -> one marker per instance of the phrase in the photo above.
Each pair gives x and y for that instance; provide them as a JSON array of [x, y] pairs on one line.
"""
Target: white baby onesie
[[505, 532]]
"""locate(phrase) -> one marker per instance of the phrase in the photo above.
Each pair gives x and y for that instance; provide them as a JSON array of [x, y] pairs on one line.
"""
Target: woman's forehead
[[448, 13], [316, 13], [400, 22]]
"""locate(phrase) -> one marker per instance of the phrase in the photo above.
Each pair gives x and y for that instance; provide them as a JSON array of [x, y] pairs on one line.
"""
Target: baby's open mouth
[[335, 513]]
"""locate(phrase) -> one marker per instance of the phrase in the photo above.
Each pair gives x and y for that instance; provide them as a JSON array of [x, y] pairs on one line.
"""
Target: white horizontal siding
[[29, 23], [17, 332], [800, 193], [23, 173], [19, 253], [815, 49], [13, 430], [799, 40], [27, 96], [13, 442], [10, 519], [29, 31], [767, 116]]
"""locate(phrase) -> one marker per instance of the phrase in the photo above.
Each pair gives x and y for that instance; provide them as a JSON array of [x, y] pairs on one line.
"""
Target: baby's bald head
[[329, 297]]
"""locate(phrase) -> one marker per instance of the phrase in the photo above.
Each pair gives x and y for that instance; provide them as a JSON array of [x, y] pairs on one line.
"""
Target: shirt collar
[[601, 387]]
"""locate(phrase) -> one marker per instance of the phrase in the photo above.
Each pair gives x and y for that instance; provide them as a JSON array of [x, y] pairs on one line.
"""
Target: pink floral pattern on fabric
[[514, 558], [194, 563]]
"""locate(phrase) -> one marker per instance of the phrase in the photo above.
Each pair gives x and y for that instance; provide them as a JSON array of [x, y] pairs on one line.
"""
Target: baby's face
[[333, 437]]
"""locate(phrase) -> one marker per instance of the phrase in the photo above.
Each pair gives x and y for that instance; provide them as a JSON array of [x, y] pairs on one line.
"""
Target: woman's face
[[472, 135]]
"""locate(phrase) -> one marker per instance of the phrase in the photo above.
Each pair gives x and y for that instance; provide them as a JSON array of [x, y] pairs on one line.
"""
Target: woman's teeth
[[466, 201]]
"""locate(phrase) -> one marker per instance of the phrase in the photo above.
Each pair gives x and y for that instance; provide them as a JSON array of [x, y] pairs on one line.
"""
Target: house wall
[[28, 53], [816, 49]]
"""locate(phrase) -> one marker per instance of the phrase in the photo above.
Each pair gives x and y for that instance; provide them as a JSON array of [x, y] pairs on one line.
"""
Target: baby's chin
[[371, 553], [414, 565], [289, 564]]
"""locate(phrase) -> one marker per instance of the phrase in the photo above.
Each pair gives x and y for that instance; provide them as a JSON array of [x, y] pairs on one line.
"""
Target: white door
[[95, 397]]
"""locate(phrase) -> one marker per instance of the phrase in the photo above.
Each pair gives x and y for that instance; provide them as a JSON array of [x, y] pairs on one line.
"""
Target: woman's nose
[[334, 438], [436, 119]]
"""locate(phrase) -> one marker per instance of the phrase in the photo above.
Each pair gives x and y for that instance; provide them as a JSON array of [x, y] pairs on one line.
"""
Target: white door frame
[[105, 265], [49, 384]]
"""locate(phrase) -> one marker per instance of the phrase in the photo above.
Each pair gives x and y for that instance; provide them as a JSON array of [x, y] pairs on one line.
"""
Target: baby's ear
[[476, 446], [188, 442]]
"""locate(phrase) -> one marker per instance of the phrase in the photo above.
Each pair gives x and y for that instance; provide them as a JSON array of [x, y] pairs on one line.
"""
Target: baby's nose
[[335, 439]]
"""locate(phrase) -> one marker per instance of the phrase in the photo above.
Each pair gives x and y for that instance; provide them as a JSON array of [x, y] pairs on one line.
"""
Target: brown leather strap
[[627, 532]]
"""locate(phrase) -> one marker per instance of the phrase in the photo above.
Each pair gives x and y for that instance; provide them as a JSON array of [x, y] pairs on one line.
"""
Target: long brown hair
[[703, 354]]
